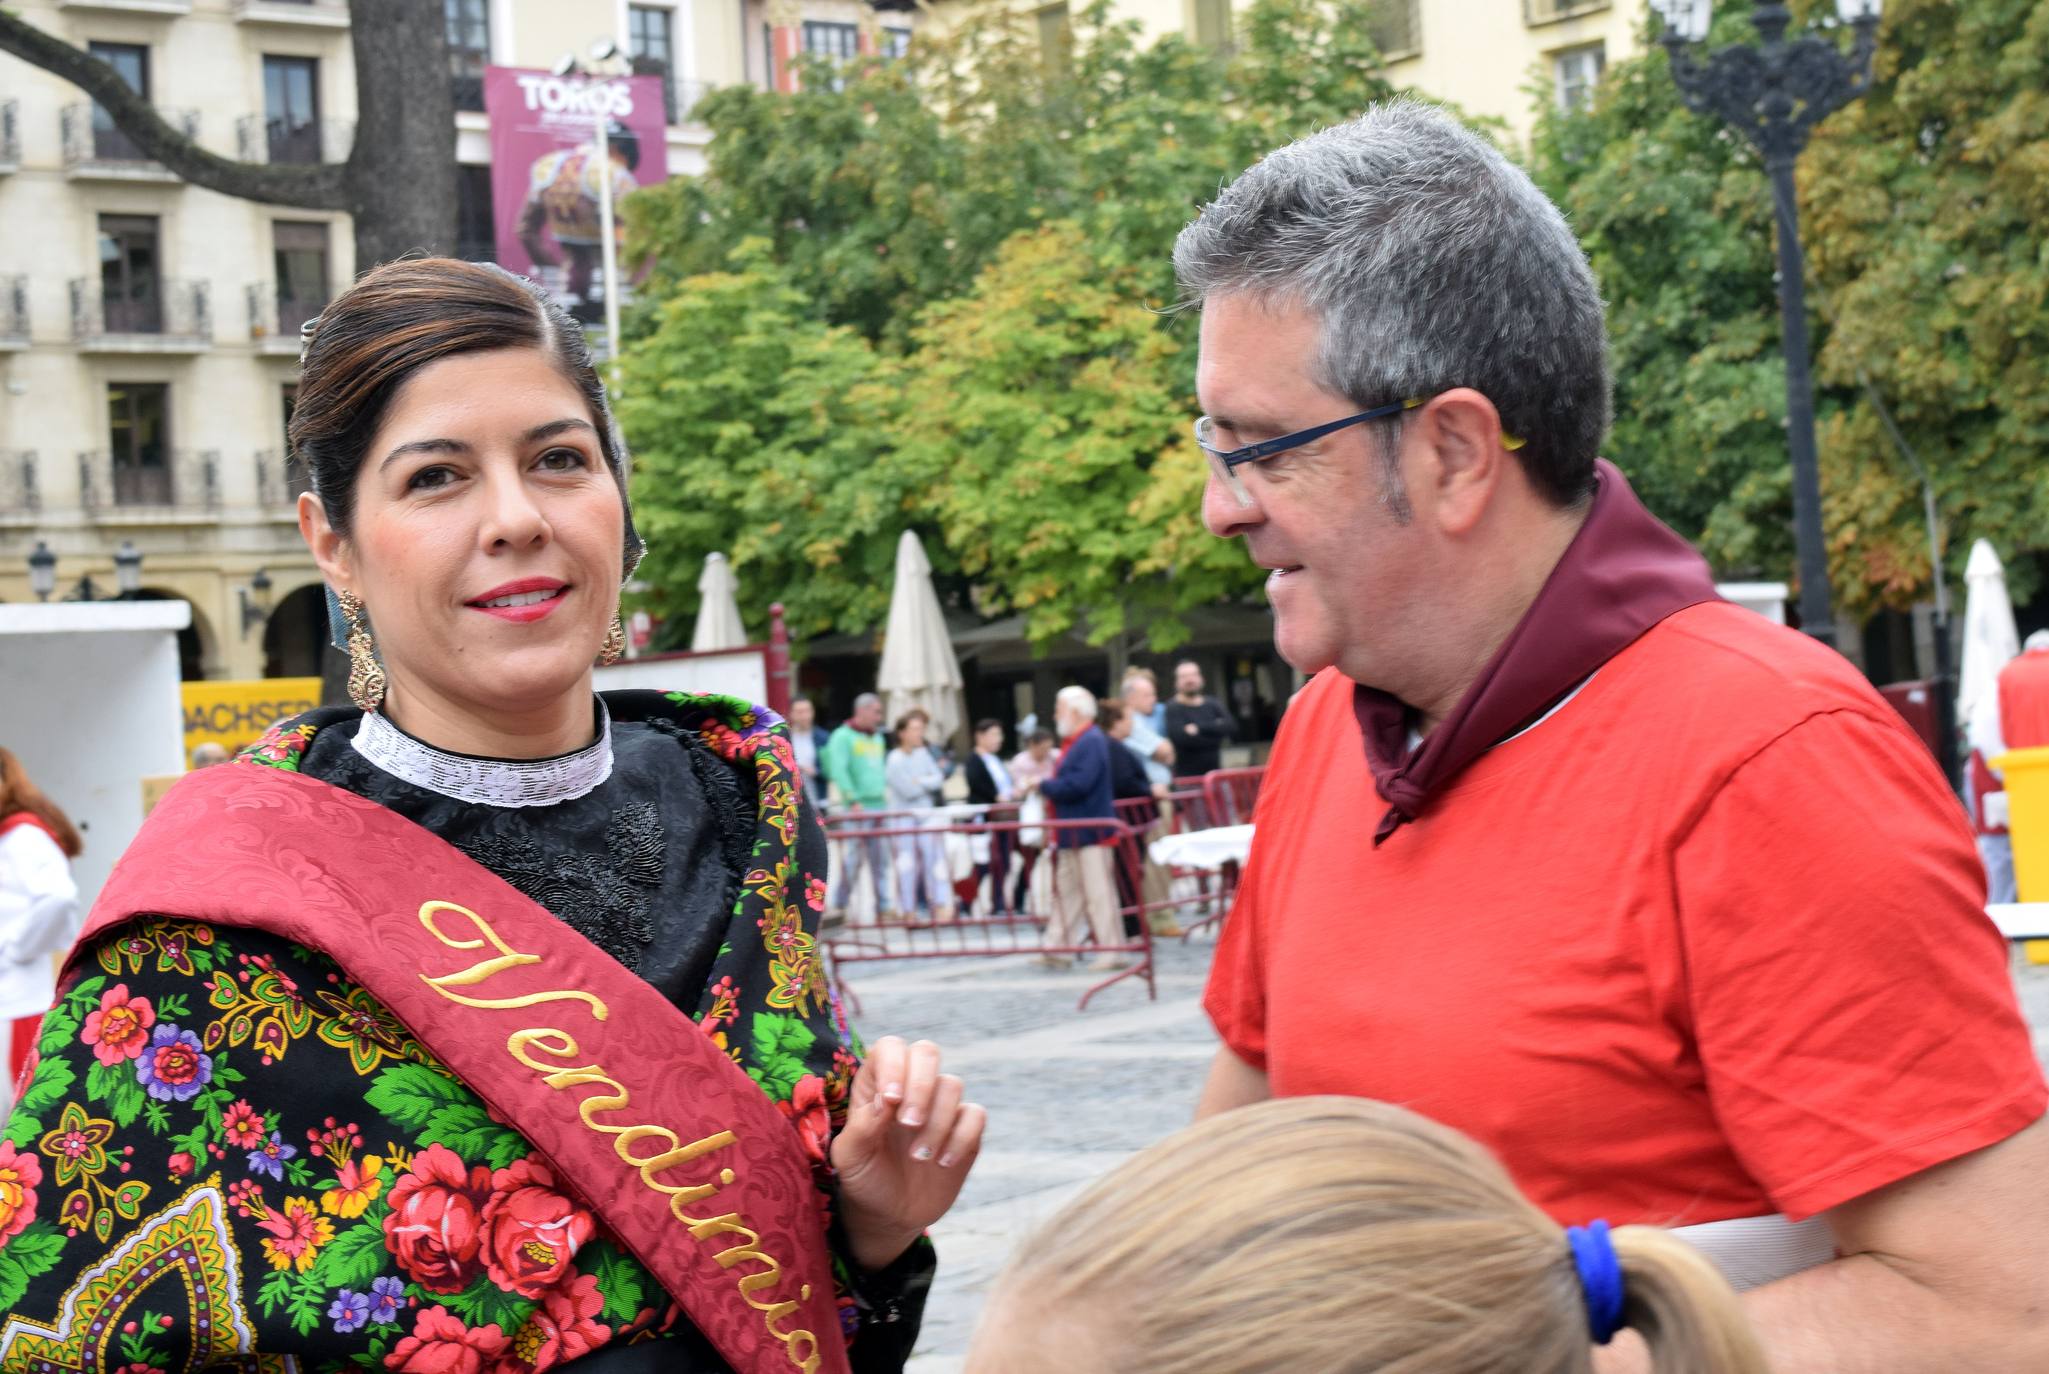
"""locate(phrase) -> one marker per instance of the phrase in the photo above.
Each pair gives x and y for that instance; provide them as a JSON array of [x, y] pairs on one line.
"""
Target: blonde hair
[[1345, 1237]]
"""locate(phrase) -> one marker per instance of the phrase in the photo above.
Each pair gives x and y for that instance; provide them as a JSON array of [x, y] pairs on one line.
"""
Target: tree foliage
[[1923, 210], [973, 247]]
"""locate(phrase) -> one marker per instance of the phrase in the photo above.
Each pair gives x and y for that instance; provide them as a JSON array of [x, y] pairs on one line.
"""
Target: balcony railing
[[280, 478], [258, 139], [275, 325], [21, 494], [129, 6], [163, 317], [14, 312], [1549, 11], [101, 150], [325, 14], [184, 481], [10, 135]]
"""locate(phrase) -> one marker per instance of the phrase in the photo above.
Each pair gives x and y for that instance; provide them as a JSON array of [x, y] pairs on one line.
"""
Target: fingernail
[[946, 1161], [922, 1153], [894, 1092], [910, 1116]]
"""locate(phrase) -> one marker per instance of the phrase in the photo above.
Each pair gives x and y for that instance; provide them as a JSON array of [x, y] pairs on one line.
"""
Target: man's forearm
[[1859, 1315]]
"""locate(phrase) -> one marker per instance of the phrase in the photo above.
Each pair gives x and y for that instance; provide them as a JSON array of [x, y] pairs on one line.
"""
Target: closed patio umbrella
[[718, 612], [918, 666], [1990, 637]]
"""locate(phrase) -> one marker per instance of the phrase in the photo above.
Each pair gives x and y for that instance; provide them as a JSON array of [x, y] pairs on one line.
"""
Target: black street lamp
[[42, 571], [1774, 94]]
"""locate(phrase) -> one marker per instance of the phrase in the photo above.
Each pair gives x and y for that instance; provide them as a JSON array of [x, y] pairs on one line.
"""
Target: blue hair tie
[[1600, 1278]]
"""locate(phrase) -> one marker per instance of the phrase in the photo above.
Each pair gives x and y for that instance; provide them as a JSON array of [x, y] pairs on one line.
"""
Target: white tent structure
[[718, 612], [1990, 637], [918, 666]]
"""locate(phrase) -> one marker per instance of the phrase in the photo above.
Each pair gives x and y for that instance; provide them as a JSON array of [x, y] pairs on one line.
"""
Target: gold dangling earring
[[615, 643], [366, 674]]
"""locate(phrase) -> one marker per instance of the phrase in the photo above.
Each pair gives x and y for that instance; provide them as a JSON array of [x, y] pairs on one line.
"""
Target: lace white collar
[[487, 782]]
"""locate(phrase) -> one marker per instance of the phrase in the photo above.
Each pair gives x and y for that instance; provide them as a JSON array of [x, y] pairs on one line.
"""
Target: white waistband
[[1754, 1251]]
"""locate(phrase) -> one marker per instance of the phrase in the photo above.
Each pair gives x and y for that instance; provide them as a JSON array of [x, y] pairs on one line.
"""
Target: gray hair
[[866, 699], [1079, 700], [1432, 262]]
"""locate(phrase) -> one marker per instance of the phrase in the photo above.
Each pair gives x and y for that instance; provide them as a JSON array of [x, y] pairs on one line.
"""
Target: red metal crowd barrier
[[1031, 924]]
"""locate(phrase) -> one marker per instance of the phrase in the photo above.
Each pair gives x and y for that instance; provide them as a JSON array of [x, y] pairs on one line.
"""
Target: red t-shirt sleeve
[[1851, 1000], [1236, 995]]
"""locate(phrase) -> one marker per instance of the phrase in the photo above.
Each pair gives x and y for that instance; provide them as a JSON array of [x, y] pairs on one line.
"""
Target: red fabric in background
[[2024, 701]]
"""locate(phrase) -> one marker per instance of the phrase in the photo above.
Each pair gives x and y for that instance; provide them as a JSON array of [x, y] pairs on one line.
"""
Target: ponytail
[[1339, 1235], [1675, 1298]]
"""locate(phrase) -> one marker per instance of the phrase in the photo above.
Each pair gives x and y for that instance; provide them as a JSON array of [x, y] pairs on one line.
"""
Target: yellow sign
[[234, 714]]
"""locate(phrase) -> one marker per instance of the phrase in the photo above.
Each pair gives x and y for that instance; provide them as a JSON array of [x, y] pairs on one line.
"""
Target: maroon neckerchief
[[1623, 573]]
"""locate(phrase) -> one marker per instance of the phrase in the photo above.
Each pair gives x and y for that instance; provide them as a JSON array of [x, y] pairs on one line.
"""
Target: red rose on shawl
[[119, 1030], [564, 1328], [809, 1113], [435, 1225], [531, 1231], [19, 1175], [442, 1345]]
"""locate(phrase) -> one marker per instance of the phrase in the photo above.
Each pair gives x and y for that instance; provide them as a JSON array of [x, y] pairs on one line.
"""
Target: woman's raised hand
[[906, 1149]]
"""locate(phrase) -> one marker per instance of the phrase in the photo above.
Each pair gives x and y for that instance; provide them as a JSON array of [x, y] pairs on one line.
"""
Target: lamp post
[[1774, 93], [604, 64], [255, 601], [127, 570], [42, 571]]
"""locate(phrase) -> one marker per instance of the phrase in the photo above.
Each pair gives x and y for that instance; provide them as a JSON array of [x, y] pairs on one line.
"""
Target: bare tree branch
[[323, 187]]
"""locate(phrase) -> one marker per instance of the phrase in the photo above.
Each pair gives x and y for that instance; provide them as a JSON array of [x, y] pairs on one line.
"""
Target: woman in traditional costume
[[480, 1028]]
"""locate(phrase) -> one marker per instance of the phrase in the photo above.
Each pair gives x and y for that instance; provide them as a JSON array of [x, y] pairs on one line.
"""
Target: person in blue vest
[[1085, 859]]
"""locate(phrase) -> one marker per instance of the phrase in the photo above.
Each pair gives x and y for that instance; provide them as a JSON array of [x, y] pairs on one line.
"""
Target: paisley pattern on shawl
[[227, 1154]]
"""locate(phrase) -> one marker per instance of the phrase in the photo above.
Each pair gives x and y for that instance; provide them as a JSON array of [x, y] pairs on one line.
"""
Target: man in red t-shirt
[[1658, 900]]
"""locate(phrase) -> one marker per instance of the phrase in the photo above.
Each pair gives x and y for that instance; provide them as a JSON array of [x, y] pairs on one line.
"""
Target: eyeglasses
[[1225, 463]]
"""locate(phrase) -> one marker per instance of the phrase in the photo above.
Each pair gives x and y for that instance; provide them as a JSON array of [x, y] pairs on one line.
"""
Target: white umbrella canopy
[[1990, 638], [918, 666], [718, 613]]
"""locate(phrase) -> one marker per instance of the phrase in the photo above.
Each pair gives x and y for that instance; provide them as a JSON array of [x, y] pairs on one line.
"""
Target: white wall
[[89, 704], [742, 673]]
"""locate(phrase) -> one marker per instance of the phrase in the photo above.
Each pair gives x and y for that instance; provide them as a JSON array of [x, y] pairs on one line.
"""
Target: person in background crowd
[[1140, 691], [808, 740], [1132, 795], [1129, 730], [1141, 698], [1085, 860], [1330, 1234], [1657, 899], [855, 760], [913, 779], [990, 785], [39, 912], [1028, 768], [208, 754], [1198, 726]]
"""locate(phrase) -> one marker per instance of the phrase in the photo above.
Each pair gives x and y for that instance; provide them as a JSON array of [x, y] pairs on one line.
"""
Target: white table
[[2021, 920], [1209, 850]]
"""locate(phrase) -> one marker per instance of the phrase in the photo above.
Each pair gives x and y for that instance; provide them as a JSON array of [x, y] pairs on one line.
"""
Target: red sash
[[629, 1101]]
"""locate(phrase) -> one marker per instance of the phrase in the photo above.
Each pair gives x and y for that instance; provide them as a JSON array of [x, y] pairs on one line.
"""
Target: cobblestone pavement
[[1070, 1095]]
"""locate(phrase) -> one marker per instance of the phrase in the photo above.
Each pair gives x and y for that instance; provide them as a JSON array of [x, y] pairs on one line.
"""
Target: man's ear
[[1461, 432], [330, 550]]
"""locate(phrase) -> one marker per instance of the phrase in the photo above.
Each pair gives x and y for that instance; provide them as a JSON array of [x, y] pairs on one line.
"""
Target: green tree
[[1923, 210], [760, 431], [1034, 411], [974, 246]]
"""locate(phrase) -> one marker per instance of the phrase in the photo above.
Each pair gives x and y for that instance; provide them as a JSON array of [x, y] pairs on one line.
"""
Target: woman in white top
[[911, 780], [38, 906]]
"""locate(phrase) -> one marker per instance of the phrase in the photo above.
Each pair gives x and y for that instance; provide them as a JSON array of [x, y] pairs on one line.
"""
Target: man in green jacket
[[854, 762]]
